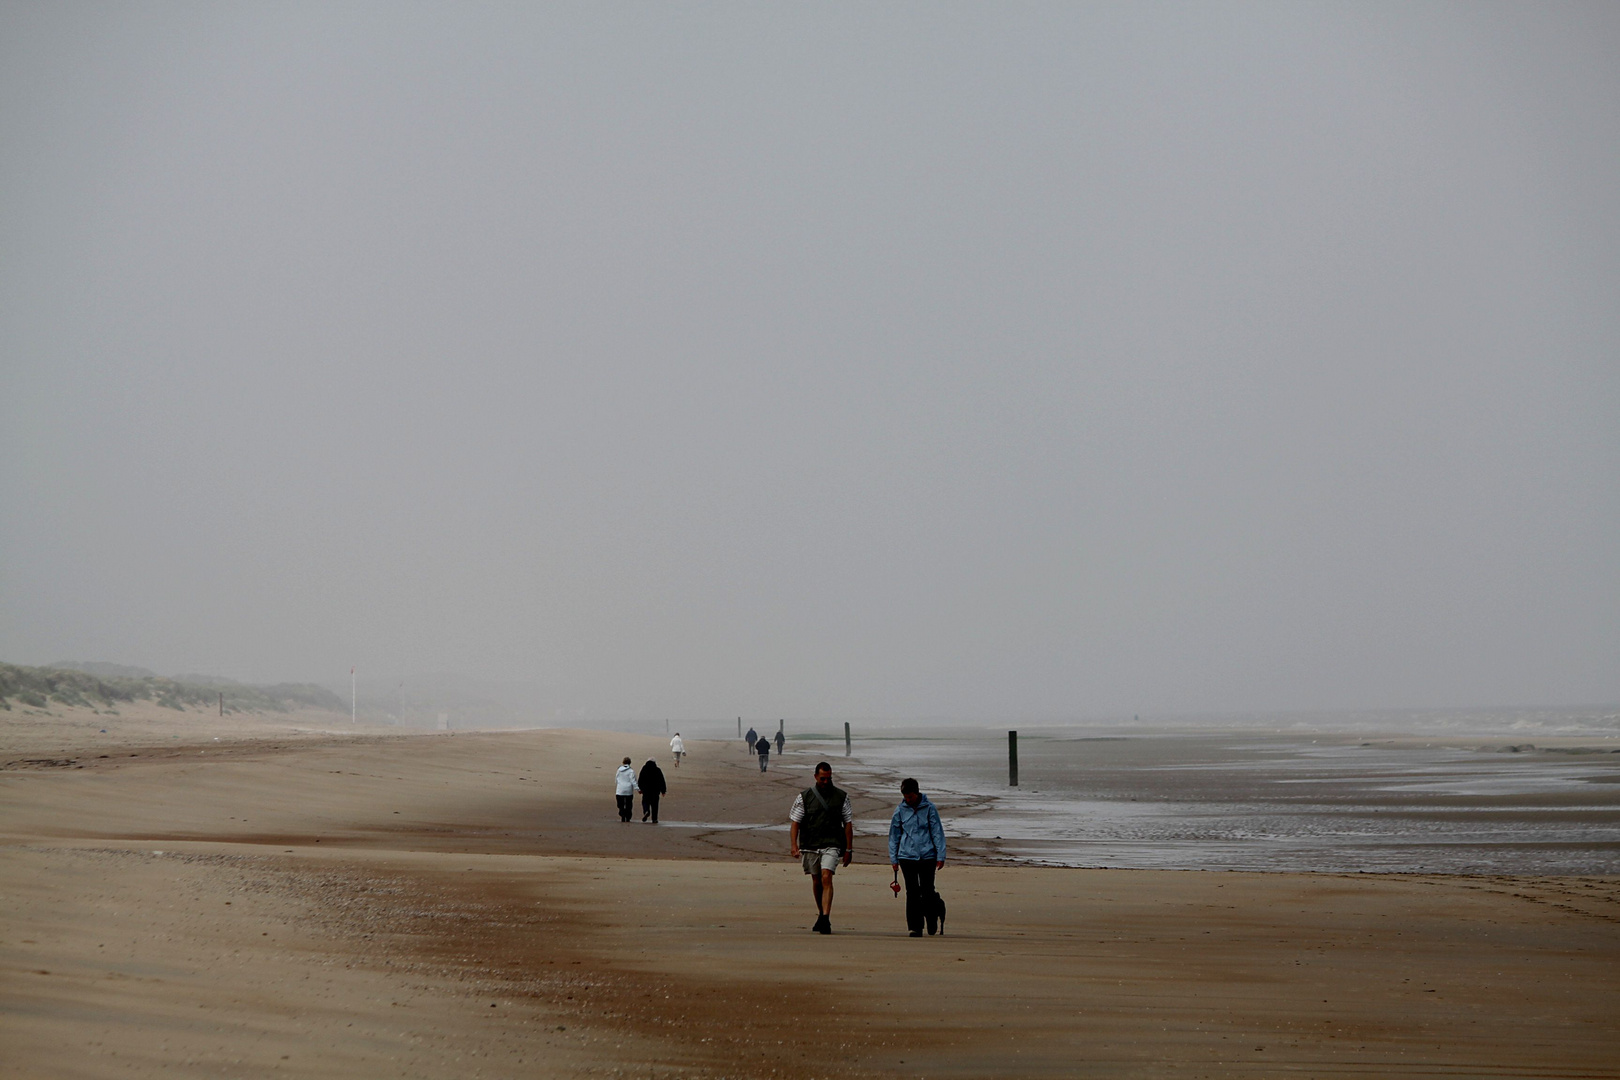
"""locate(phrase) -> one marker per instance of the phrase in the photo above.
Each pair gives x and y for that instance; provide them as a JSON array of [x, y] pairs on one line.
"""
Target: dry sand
[[293, 903]]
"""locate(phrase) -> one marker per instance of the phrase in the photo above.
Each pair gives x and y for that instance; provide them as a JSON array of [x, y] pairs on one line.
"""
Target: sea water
[[1321, 793]]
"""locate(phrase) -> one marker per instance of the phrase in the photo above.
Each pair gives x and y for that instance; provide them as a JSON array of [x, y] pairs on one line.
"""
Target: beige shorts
[[822, 858]]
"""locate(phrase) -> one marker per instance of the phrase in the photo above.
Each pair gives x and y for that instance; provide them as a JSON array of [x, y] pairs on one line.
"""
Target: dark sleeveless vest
[[822, 828]]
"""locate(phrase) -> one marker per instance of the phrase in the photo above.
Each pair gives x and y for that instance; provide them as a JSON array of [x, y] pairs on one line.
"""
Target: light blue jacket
[[916, 833]]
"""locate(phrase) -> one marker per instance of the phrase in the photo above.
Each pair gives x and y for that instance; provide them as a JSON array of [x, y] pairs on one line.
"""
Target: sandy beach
[[296, 901]]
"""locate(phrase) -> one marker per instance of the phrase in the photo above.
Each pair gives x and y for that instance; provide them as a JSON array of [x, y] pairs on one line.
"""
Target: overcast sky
[[819, 360]]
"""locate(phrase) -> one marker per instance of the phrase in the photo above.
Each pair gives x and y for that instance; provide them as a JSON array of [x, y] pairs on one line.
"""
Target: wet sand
[[439, 905], [1313, 802]]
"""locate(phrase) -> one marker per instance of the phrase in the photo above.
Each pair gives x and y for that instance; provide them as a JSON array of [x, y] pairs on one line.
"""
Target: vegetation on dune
[[38, 687]]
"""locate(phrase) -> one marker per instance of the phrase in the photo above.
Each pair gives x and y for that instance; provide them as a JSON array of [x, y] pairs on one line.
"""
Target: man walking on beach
[[821, 832], [781, 740], [763, 749], [624, 789], [751, 738], [917, 849], [677, 748]]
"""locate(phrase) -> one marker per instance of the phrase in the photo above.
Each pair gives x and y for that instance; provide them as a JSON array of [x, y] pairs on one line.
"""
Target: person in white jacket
[[625, 789], [677, 748]]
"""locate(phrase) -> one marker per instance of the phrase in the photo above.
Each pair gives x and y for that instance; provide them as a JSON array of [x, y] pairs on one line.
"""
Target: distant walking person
[[763, 749], [652, 789], [624, 789], [781, 740], [677, 748], [750, 739], [917, 849], [821, 832]]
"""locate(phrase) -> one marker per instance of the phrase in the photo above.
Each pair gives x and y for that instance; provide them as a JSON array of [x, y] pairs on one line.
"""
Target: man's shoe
[[823, 925], [916, 933]]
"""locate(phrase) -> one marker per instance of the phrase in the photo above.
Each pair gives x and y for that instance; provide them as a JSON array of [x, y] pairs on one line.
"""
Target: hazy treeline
[[100, 688]]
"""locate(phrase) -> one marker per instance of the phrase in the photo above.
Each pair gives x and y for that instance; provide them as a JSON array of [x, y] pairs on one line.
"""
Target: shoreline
[[1029, 826], [443, 904]]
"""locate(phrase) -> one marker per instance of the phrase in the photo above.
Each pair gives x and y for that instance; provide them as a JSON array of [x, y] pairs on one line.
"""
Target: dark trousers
[[649, 805], [919, 875], [627, 806], [763, 760]]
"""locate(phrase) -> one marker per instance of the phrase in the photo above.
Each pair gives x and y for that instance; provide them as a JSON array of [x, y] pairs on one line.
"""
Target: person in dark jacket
[[821, 834], [917, 850], [781, 741], [751, 739], [763, 749], [651, 782]]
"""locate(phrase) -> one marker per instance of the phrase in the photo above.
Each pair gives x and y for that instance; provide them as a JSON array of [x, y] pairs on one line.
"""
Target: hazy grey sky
[[982, 360]]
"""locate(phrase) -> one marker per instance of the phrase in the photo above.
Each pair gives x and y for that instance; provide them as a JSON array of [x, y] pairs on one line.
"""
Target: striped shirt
[[797, 813]]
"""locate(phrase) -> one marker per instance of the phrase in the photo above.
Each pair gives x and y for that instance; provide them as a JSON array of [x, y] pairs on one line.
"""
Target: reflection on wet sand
[[1249, 801]]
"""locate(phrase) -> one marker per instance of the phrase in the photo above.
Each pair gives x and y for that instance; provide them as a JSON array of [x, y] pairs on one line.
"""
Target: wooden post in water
[[739, 727], [1012, 759], [222, 703], [846, 738]]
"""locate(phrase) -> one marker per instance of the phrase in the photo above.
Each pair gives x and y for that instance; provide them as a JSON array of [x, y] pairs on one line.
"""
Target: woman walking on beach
[[624, 789], [677, 747], [652, 788], [917, 850]]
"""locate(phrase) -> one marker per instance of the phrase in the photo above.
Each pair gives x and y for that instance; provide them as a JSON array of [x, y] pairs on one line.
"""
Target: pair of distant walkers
[[821, 834], [752, 740], [650, 783], [762, 746]]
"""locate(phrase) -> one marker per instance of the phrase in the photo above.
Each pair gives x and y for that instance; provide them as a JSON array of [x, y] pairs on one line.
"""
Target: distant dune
[[52, 712], [91, 684], [104, 669]]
